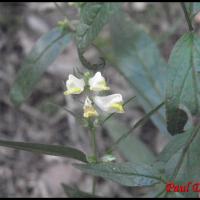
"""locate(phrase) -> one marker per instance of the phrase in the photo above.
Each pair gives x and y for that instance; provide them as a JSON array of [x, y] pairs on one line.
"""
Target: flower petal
[[97, 83], [110, 103], [118, 107], [88, 109], [74, 85]]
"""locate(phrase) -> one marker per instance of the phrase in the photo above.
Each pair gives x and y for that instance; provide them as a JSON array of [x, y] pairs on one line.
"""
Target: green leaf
[[139, 61], [181, 162], [193, 161], [182, 83], [177, 142], [44, 52], [75, 193], [93, 17], [132, 148], [128, 174], [188, 168], [54, 150]]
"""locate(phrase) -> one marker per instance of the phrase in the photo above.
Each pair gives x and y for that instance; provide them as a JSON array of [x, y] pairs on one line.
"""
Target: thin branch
[[187, 16], [137, 124]]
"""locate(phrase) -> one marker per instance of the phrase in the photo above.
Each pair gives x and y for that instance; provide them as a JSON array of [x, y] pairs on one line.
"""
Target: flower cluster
[[111, 103]]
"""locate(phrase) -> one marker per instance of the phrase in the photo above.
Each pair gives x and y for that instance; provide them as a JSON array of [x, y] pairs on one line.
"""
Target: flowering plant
[[130, 50]]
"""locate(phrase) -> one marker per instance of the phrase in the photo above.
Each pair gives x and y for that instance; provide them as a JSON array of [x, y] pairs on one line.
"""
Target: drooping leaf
[[128, 174], [75, 193], [182, 82], [43, 54], [139, 61], [93, 17], [55, 150]]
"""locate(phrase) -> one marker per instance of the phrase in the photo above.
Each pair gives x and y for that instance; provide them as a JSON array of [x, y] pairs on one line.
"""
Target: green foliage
[[93, 17], [193, 161], [176, 143], [139, 61], [131, 144], [182, 84], [54, 150], [180, 158], [136, 56], [128, 174], [44, 53]]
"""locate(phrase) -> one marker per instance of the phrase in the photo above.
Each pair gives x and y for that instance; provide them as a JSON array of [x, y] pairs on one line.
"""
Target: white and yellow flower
[[111, 103], [88, 109], [97, 83], [74, 85]]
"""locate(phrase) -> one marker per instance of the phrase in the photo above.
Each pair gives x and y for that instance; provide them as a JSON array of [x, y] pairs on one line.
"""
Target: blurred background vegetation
[[37, 120]]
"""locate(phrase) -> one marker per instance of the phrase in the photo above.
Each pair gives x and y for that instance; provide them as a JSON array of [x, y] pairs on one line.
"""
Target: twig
[[187, 16]]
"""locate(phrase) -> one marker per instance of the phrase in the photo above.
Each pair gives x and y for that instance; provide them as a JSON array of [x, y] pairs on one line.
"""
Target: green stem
[[136, 125], [187, 16], [93, 185], [95, 154], [94, 145]]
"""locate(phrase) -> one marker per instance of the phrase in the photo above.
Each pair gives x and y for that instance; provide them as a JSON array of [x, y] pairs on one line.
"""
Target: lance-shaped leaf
[[75, 193], [139, 61], [93, 17], [177, 143], [182, 82], [44, 52], [128, 174], [55, 150]]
